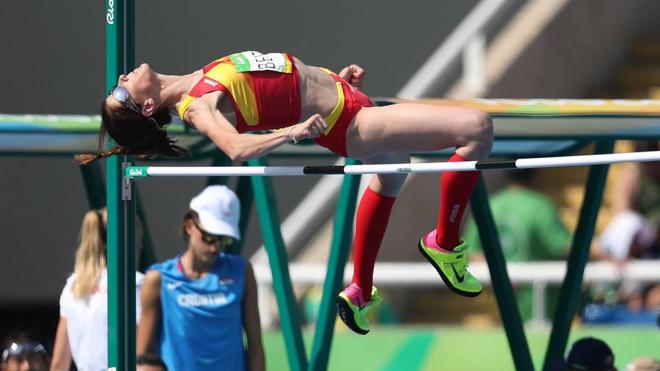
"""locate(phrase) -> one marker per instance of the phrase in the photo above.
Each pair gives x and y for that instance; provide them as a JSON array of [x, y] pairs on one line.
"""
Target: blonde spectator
[[82, 331]]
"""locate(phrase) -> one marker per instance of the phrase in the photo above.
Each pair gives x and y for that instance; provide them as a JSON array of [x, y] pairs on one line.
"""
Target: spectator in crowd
[[589, 354], [20, 352], [633, 232], [149, 362], [197, 306], [529, 228], [82, 331]]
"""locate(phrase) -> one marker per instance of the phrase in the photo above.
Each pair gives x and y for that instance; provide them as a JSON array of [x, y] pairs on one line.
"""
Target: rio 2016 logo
[[110, 15]]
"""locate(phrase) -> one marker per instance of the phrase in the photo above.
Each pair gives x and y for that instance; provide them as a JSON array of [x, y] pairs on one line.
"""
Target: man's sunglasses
[[225, 241], [23, 351]]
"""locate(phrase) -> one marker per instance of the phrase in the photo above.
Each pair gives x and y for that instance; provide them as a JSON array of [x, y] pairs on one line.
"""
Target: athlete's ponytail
[[136, 135]]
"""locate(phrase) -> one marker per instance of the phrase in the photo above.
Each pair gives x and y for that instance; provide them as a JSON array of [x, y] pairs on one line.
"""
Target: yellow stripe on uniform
[[332, 118], [185, 103], [239, 88]]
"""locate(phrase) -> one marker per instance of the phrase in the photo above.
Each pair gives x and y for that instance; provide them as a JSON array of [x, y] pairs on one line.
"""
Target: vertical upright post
[[94, 185], [341, 241], [278, 259], [121, 210], [219, 159], [121, 268], [569, 296], [506, 300], [147, 252], [245, 194]]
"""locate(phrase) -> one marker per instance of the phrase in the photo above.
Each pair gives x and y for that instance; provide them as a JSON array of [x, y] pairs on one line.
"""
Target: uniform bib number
[[254, 61]]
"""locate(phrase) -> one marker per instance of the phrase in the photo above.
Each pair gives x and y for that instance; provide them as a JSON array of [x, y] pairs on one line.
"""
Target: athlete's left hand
[[353, 74]]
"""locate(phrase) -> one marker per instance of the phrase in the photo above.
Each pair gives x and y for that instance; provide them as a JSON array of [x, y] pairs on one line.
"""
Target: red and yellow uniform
[[350, 102], [264, 90]]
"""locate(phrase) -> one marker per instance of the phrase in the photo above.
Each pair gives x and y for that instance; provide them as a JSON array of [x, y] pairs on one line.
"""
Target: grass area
[[454, 348]]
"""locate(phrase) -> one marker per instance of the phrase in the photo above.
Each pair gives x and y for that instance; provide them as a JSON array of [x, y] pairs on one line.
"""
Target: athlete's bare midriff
[[318, 91]]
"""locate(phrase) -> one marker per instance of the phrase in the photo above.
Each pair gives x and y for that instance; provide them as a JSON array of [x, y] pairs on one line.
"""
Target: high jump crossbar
[[427, 167]]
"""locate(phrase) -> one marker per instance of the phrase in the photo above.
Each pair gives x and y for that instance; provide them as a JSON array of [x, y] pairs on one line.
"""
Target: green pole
[[245, 194], [147, 251], [94, 184], [506, 300], [277, 256], [219, 159], [121, 269], [340, 247], [569, 296], [121, 211]]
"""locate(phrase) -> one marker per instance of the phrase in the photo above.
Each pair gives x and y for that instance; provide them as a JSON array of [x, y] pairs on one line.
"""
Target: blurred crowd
[[632, 234]]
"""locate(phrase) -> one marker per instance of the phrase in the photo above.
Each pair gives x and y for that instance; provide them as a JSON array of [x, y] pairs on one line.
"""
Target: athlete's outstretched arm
[[242, 147], [150, 320], [252, 323]]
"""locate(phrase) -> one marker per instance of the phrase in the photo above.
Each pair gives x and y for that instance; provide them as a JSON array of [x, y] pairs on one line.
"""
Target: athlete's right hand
[[309, 129]]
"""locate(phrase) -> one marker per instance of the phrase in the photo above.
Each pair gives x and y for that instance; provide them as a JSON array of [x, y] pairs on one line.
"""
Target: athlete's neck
[[174, 87]]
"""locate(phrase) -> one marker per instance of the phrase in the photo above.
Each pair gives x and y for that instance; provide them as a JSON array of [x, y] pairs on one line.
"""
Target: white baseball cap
[[219, 210]]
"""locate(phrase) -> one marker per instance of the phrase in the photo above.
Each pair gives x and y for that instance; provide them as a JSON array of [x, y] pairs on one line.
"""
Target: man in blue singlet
[[197, 306]]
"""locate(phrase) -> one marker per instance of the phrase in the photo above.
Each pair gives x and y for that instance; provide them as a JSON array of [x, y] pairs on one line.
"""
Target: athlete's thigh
[[409, 127]]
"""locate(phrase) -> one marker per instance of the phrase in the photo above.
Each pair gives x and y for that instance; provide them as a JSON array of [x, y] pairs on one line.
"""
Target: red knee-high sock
[[371, 222], [455, 190]]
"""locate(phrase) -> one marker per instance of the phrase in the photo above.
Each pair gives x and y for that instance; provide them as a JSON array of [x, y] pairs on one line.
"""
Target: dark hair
[[136, 135], [150, 359], [189, 215], [24, 338], [590, 354]]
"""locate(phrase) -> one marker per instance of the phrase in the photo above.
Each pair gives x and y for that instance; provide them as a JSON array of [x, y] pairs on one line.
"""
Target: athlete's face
[[141, 84]]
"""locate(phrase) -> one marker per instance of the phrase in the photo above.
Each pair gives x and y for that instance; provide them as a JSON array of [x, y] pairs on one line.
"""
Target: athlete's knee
[[481, 131], [481, 125], [478, 131], [387, 184]]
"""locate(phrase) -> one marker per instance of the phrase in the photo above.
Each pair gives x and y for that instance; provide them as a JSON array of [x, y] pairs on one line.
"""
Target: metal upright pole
[[121, 208], [506, 300], [569, 296], [341, 245], [269, 220], [94, 185]]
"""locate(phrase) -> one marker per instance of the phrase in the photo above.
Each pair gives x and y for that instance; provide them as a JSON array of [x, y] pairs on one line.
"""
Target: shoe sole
[[346, 315], [445, 279]]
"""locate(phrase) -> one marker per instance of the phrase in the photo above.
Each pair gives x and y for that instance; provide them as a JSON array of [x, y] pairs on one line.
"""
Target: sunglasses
[[24, 351], [210, 238], [121, 94]]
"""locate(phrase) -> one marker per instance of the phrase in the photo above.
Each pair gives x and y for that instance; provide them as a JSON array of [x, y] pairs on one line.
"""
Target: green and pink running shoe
[[451, 265], [353, 309]]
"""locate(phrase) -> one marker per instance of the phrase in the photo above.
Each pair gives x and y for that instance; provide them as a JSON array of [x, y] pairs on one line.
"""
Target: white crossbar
[[423, 167]]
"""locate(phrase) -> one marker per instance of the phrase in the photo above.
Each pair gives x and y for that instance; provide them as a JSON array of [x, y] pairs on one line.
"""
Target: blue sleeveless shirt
[[201, 321]]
